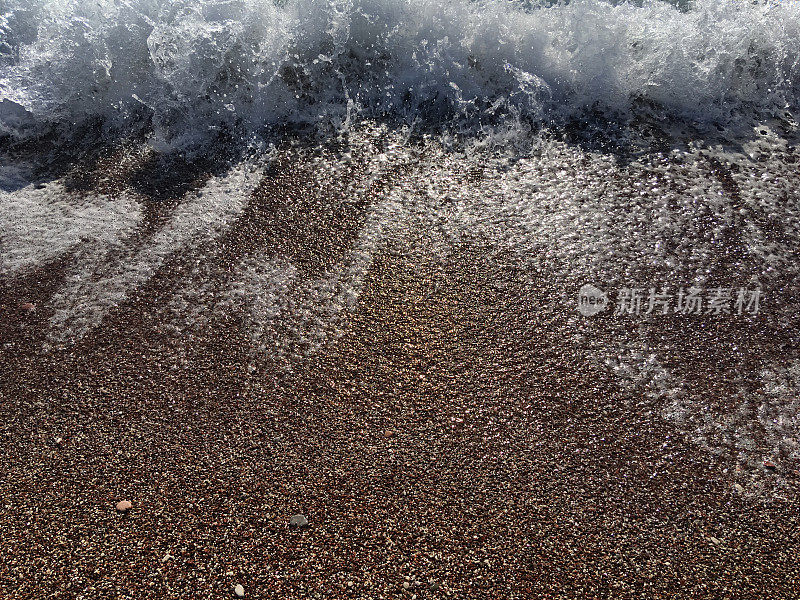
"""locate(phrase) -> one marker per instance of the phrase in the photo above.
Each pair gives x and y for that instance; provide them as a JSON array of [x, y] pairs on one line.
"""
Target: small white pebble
[[239, 590]]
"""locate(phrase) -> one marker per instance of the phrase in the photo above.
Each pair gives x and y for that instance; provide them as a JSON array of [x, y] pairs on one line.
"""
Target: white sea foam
[[95, 286], [198, 67], [577, 216], [289, 313], [41, 224]]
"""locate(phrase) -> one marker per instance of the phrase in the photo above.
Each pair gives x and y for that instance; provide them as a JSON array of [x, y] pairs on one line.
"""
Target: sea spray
[[194, 70]]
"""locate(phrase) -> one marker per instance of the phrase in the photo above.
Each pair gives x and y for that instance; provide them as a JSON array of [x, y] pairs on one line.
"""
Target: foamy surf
[[189, 72], [97, 285], [41, 224]]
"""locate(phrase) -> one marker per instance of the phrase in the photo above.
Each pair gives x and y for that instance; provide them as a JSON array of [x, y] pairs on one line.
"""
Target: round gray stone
[[298, 521]]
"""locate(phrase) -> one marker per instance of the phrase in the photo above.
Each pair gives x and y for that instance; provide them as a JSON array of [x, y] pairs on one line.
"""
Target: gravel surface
[[451, 439]]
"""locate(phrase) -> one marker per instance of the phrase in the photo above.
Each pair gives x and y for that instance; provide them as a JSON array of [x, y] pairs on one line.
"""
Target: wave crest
[[194, 68]]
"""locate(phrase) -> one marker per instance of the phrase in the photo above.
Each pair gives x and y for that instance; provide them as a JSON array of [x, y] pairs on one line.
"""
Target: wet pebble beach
[[318, 375]]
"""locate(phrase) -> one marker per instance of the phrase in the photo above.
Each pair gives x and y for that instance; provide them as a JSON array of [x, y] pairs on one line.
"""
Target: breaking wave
[[189, 70]]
